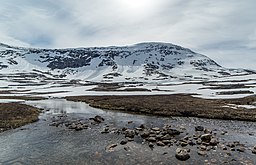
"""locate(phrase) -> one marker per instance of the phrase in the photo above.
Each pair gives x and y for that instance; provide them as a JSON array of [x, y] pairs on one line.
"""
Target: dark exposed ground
[[13, 115], [174, 105], [22, 97]]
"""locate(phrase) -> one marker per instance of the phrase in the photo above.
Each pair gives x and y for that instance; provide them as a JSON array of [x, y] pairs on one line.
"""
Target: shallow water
[[39, 143]]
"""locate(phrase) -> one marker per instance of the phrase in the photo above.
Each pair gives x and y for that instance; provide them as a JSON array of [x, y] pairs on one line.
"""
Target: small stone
[[223, 132], [159, 137], [206, 137], [213, 142], [182, 154], [111, 147], [208, 148], [207, 131], [155, 129], [202, 147], [199, 141], [130, 122], [145, 134], [151, 139], [199, 128], [126, 148], [228, 154], [232, 149], [191, 143], [241, 149], [159, 143], [183, 144], [167, 137], [254, 150], [166, 141], [105, 130], [123, 142], [214, 161], [139, 129], [129, 133], [142, 126], [202, 153], [231, 145], [173, 132], [79, 127], [129, 139], [151, 145], [98, 119]]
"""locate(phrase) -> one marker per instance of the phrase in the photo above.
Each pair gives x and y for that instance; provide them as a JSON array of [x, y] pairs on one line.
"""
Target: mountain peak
[[148, 61]]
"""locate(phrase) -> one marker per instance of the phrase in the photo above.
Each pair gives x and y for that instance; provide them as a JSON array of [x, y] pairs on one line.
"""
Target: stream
[[39, 143]]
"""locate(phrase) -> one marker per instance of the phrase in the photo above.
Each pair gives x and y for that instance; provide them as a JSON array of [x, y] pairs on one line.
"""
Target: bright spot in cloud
[[136, 4], [137, 7]]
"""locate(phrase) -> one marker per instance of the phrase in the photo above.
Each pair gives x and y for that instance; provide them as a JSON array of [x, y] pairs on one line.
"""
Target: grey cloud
[[218, 28]]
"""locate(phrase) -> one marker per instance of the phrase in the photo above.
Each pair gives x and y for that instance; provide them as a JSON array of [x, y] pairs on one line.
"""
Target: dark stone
[[173, 132], [145, 134], [123, 142], [241, 149], [199, 128]]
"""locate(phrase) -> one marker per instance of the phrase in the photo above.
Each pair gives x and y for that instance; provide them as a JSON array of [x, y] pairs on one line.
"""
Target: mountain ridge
[[148, 61]]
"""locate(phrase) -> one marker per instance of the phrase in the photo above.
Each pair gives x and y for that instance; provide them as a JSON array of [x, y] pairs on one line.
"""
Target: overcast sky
[[224, 30]]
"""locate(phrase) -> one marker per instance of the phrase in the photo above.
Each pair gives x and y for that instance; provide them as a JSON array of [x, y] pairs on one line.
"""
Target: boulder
[[182, 154]]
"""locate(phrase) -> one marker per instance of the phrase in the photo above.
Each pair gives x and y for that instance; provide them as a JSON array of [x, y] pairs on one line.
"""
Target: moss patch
[[174, 105], [13, 115]]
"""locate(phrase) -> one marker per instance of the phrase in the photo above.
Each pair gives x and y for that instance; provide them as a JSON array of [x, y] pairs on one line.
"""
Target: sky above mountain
[[223, 30]]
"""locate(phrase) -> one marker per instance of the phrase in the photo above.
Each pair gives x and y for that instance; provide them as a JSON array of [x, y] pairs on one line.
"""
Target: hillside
[[144, 62]]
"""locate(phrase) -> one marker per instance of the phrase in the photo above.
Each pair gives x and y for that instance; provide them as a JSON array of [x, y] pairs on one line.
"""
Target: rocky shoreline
[[187, 143]]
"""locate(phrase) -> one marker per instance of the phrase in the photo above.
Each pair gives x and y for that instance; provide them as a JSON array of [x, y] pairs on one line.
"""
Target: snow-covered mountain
[[141, 62]]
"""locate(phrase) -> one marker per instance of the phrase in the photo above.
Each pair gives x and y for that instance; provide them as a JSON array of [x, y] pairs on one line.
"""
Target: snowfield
[[142, 69]]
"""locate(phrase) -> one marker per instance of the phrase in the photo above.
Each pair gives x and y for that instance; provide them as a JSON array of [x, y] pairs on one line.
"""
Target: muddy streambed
[[40, 143]]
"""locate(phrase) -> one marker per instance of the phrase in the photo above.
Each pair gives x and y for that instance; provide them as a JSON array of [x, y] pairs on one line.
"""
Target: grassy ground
[[174, 105], [13, 115], [22, 97]]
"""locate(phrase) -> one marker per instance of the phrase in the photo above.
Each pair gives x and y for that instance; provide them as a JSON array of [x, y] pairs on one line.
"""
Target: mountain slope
[[141, 62]]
